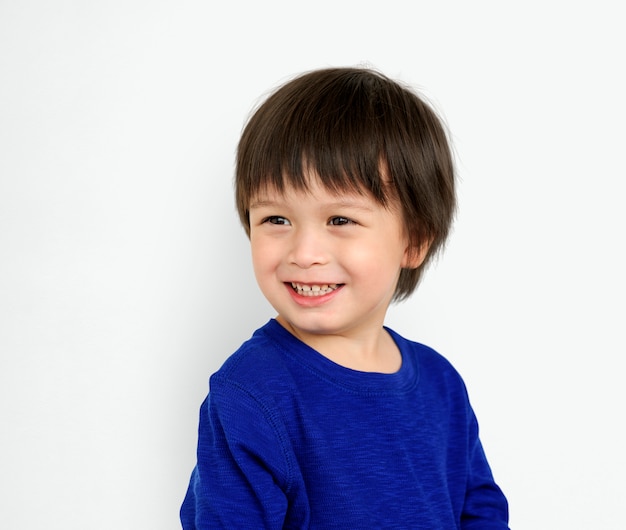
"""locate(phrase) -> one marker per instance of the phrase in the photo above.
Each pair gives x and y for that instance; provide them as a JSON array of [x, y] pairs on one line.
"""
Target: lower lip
[[312, 301]]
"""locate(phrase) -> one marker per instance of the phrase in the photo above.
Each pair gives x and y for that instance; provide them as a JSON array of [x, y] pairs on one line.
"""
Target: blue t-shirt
[[289, 439]]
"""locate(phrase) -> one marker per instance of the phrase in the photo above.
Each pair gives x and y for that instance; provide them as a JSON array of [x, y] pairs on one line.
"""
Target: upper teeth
[[313, 290]]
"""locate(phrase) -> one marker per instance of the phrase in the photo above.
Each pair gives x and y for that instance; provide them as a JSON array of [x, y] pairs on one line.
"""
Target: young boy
[[325, 418]]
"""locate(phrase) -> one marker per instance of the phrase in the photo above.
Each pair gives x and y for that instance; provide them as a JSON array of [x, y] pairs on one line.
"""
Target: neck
[[375, 351]]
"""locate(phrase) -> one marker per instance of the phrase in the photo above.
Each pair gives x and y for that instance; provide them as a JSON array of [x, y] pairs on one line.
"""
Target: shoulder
[[425, 354], [258, 368], [432, 366], [259, 351]]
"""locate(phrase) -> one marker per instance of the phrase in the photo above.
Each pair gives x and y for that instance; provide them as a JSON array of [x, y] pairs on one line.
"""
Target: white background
[[124, 275]]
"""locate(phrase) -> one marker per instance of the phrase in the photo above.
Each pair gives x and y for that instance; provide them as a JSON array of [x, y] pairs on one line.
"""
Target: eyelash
[[343, 221], [333, 221], [274, 220]]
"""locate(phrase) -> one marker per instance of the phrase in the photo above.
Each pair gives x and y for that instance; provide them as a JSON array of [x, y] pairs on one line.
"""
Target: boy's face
[[328, 263]]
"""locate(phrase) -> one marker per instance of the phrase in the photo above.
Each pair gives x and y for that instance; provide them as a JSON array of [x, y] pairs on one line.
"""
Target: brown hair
[[356, 130]]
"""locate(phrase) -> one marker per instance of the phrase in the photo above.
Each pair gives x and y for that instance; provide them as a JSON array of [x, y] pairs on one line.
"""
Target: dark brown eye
[[338, 221], [276, 220]]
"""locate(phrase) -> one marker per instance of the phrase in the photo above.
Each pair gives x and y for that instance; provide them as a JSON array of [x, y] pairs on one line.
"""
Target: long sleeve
[[241, 471], [485, 507]]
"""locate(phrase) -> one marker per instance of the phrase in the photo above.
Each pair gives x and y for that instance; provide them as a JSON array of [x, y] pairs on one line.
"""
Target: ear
[[415, 256]]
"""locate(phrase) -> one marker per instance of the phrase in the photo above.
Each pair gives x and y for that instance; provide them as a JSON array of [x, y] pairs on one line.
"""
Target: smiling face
[[327, 262]]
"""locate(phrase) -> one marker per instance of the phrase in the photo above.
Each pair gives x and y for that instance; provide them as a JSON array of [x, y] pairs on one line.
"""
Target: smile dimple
[[314, 289]]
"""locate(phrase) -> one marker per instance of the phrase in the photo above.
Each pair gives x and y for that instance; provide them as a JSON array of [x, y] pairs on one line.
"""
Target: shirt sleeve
[[242, 474], [486, 507]]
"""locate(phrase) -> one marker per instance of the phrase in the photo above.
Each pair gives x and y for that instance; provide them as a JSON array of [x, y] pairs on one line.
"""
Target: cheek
[[263, 253], [378, 258], [256, 251], [388, 246]]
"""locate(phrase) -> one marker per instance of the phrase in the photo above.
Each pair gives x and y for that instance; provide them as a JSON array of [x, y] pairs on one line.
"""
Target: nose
[[308, 248]]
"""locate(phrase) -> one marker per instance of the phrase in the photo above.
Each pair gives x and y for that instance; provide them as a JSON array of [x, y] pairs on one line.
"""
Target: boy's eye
[[338, 221], [276, 220]]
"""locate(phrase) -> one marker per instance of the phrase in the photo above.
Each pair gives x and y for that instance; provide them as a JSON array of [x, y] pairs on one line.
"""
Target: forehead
[[311, 181], [311, 188]]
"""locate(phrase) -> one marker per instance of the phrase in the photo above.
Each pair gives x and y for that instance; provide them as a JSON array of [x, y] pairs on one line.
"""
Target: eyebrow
[[262, 204], [354, 205]]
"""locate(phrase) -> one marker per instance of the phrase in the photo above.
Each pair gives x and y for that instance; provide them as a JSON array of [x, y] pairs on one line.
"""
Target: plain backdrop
[[125, 278]]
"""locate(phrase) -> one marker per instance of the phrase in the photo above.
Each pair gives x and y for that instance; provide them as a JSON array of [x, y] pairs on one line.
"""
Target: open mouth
[[314, 289]]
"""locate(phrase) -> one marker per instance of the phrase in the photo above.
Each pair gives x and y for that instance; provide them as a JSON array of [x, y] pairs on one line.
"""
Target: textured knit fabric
[[289, 439]]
